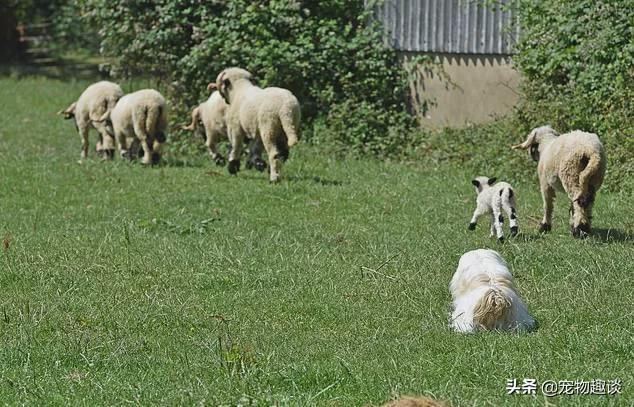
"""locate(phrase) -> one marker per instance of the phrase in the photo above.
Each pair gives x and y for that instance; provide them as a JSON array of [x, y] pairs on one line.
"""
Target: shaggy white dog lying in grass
[[484, 296]]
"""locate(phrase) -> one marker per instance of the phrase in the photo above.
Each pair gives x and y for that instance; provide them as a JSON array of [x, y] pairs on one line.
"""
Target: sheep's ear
[[492, 180], [475, 183]]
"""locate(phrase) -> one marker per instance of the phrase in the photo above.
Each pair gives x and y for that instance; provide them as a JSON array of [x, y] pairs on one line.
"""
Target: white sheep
[[484, 295], [574, 163], [96, 101], [493, 199], [208, 120], [141, 117], [271, 114]]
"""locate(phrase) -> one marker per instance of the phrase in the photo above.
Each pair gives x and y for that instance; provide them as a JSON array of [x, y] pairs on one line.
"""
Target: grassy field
[[179, 284]]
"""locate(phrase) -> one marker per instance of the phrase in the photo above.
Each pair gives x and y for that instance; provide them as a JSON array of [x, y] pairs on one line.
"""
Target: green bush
[[577, 60], [329, 53]]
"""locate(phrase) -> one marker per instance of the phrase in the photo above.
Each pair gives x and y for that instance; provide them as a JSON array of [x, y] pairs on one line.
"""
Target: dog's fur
[[484, 295]]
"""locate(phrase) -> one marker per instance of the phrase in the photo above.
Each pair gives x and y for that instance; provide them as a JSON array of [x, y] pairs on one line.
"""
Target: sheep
[[208, 120], [493, 199], [271, 114], [574, 163], [95, 101], [484, 295], [141, 117]]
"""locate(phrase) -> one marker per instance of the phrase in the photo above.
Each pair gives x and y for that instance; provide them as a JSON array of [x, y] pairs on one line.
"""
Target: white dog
[[484, 296]]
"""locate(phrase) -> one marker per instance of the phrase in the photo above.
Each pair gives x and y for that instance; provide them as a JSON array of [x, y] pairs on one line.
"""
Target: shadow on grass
[[316, 179], [528, 237], [612, 235]]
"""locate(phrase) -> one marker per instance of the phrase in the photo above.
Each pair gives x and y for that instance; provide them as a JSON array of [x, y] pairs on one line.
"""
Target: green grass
[[182, 285]]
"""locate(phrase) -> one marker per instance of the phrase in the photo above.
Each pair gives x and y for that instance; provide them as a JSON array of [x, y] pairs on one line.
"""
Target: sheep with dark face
[[96, 101], [270, 114], [208, 120], [494, 199], [139, 117], [574, 163]]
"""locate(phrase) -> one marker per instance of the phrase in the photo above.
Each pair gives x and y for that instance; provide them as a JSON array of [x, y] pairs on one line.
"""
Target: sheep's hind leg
[[255, 155], [212, 148], [581, 214], [513, 222], [548, 195], [236, 139], [275, 159], [83, 132], [498, 221], [474, 219]]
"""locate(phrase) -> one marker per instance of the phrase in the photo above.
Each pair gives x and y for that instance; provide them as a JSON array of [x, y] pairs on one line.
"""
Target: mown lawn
[[180, 284]]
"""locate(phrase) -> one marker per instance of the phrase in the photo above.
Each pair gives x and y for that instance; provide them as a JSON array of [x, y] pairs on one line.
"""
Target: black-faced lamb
[[574, 163], [495, 198], [96, 101], [271, 114]]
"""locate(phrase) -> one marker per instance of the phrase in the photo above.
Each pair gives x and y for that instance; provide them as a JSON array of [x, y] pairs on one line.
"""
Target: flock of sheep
[[483, 291], [237, 109]]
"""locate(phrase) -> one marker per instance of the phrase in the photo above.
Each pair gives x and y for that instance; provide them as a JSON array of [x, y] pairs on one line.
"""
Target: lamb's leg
[[147, 151], [275, 159], [212, 148], [255, 155], [512, 214], [582, 214], [83, 132], [492, 233], [122, 140], [236, 138], [479, 211], [498, 221], [548, 195], [106, 147]]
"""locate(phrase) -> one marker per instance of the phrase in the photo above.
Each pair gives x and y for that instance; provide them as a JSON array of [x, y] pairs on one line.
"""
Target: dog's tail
[[491, 309]]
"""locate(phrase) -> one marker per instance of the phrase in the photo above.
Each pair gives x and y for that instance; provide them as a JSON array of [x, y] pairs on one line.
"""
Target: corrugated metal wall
[[449, 26]]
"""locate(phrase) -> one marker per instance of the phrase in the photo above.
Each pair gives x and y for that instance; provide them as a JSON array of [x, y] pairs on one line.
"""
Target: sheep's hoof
[[514, 231], [501, 239], [233, 167], [161, 137], [581, 231], [472, 226], [260, 164], [156, 158], [544, 227], [107, 154], [274, 180], [220, 161]]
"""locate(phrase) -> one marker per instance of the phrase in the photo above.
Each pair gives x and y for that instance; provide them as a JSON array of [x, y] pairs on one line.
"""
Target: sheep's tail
[[290, 118], [593, 164], [108, 104], [194, 124], [152, 116], [492, 308]]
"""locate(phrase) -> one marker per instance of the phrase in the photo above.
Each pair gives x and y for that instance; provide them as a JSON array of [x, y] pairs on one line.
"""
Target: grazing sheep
[[270, 114], [409, 401], [492, 199], [208, 120], [484, 295], [142, 118], [574, 163], [98, 99]]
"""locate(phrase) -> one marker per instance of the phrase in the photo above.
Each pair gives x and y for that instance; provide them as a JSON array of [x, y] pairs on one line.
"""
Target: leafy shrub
[[329, 53], [577, 59]]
